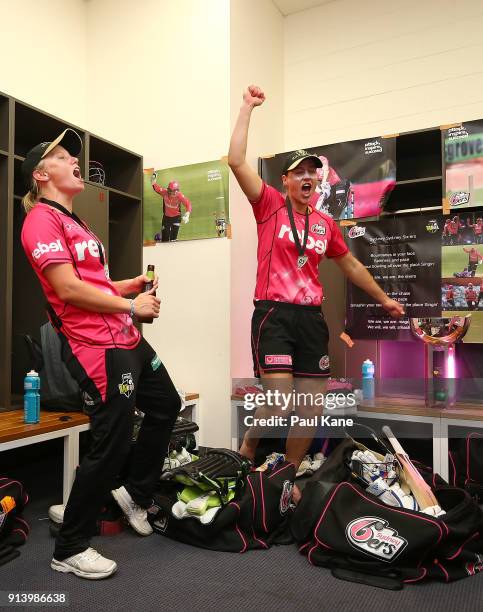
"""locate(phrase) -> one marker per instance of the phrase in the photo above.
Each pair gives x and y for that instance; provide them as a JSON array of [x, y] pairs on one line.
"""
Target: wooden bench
[[68, 425], [15, 433]]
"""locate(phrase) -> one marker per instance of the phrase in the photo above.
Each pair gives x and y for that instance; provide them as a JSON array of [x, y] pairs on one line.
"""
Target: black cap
[[294, 159], [69, 139]]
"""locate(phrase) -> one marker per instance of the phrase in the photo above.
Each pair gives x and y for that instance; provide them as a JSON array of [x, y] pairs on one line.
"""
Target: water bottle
[[31, 398], [368, 380], [147, 287]]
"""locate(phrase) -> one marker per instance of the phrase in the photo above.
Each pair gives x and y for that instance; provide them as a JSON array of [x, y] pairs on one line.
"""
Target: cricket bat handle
[[398, 449]]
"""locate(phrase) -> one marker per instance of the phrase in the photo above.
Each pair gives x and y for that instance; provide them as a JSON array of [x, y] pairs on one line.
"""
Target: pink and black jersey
[[49, 236], [278, 277], [172, 204]]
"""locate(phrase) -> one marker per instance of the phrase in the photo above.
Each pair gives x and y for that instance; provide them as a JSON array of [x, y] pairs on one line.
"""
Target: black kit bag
[[14, 529], [337, 524], [256, 518], [466, 464]]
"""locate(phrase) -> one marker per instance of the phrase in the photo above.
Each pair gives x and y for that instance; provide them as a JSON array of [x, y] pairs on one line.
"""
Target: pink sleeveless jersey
[[278, 277]]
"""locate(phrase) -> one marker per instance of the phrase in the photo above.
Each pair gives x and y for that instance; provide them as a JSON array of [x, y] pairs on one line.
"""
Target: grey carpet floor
[[156, 573]]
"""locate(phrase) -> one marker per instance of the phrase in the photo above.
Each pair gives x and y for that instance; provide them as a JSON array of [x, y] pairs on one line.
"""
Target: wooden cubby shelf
[[113, 211], [419, 155], [418, 193], [123, 168], [4, 122]]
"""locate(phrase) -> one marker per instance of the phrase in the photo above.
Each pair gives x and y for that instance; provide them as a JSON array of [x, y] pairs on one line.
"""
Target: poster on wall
[[462, 271], [355, 180], [403, 254], [186, 203], [463, 156]]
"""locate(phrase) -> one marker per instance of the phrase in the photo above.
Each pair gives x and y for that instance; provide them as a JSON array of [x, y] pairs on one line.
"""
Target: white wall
[[359, 69], [256, 52], [44, 60], [158, 84]]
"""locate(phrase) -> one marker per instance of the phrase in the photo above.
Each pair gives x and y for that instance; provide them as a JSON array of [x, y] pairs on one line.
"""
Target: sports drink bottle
[[31, 399], [368, 380]]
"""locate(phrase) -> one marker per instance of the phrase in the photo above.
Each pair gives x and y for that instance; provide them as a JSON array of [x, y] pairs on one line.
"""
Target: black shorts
[[290, 338]]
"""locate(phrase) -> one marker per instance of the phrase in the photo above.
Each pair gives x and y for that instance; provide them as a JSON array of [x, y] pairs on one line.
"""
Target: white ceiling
[[287, 7]]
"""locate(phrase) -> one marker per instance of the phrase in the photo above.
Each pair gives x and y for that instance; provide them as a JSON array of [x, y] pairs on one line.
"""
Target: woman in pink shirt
[[289, 334], [116, 369]]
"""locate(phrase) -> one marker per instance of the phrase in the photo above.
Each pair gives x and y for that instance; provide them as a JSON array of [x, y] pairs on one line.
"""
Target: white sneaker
[[56, 513], [137, 516], [88, 564]]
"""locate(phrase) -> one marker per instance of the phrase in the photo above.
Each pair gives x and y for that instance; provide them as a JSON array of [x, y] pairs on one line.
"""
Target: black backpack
[[58, 390]]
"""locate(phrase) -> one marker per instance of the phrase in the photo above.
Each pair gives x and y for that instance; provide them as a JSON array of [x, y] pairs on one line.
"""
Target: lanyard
[[73, 216], [302, 258]]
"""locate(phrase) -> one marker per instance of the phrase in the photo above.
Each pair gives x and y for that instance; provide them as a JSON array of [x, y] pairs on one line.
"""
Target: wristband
[[131, 310]]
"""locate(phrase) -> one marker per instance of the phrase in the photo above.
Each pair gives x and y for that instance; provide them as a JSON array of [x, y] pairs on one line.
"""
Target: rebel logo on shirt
[[320, 246], [42, 248], [91, 246]]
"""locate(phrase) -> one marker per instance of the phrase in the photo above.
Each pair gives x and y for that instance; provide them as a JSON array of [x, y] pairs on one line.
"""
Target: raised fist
[[253, 96]]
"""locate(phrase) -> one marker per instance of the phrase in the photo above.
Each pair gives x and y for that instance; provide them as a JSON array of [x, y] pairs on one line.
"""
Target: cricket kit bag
[[466, 464], [338, 524], [14, 529], [217, 503]]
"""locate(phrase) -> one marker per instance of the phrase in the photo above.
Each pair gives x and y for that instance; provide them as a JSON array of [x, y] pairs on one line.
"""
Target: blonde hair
[[31, 197]]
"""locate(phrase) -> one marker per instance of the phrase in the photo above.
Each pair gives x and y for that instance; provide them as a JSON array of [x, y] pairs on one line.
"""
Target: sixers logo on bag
[[286, 496], [373, 536], [476, 566]]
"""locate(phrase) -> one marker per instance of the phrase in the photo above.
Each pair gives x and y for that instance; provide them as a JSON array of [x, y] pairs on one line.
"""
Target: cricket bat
[[410, 475]]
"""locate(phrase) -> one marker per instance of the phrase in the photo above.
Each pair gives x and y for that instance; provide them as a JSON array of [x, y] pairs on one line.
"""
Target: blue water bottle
[[368, 380], [31, 398]]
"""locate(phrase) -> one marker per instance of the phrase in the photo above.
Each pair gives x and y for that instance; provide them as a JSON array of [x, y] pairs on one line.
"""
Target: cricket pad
[[255, 518]]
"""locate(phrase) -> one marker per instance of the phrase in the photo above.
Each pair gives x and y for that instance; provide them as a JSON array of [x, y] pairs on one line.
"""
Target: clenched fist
[[253, 96]]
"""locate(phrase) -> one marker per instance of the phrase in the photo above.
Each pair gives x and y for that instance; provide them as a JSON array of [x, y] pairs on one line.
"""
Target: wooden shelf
[[4, 122], [415, 193], [419, 180], [123, 194], [123, 168]]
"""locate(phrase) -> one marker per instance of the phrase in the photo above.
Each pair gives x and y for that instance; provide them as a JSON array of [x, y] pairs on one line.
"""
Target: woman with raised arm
[[116, 369], [289, 334]]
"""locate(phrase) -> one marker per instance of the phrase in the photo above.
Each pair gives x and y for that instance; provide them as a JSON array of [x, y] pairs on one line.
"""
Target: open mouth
[[77, 172], [306, 188]]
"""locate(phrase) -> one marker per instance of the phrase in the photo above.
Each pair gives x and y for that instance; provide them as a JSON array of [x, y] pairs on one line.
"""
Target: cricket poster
[[404, 257], [463, 157], [355, 180], [462, 270], [186, 203]]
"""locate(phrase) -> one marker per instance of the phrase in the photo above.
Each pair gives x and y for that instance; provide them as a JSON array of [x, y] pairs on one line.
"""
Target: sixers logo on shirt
[[318, 228], [374, 536]]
